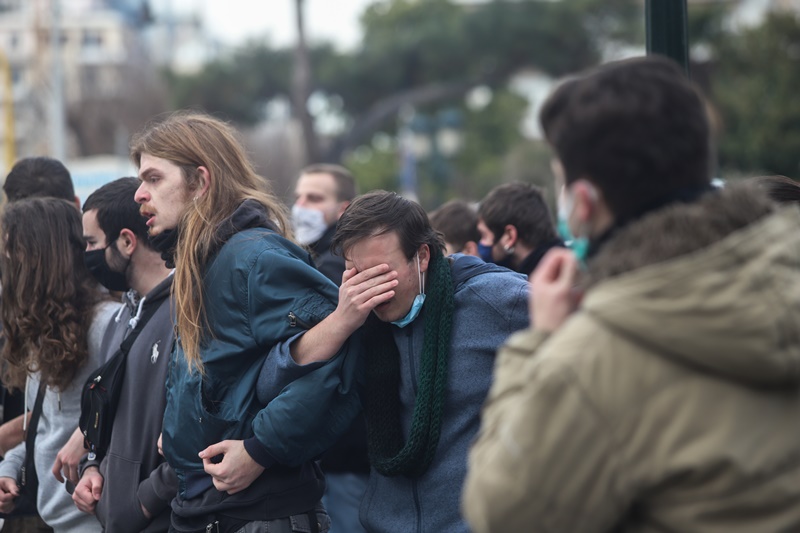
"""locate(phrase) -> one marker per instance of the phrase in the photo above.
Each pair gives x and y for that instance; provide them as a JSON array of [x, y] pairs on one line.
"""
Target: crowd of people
[[353, 363]]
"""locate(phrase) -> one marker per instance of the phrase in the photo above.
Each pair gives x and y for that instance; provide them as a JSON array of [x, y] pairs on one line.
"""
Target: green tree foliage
[[408, 45], [238, 87], [427, 54], [489, 134], [755, 85]]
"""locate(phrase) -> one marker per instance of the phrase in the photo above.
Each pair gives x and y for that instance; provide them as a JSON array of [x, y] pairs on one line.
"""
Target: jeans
[[343, 494]]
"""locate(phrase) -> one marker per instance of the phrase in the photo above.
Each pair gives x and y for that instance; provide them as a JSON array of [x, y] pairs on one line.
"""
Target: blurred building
[[180, 42], [108, 84]]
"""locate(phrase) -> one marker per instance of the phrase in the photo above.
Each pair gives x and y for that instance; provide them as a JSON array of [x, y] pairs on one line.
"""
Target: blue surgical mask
[[416, 307], [485, 252], [578, 245]]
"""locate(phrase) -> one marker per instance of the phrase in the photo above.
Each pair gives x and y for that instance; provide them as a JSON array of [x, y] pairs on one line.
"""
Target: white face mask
[[309, 224]]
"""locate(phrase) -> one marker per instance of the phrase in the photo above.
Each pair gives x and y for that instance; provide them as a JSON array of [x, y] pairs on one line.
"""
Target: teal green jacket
[[261, 292]]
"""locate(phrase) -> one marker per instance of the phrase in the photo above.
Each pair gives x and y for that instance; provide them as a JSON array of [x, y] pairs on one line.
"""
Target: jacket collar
[[710, 284], [528, 265], [249, 214]]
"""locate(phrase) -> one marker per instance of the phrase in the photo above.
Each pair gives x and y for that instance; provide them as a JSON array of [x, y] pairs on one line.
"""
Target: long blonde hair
[[192, 140]]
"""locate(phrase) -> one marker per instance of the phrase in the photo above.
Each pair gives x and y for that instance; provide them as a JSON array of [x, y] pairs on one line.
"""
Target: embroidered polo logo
[[154, 354]]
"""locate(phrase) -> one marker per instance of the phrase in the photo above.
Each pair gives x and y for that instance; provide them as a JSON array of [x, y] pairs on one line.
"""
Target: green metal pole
[[668, 30]]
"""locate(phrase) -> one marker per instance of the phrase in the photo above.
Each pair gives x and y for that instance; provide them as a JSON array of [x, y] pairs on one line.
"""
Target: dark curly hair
[[48, 294]]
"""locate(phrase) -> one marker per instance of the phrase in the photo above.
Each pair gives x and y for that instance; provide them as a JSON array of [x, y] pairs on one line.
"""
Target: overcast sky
[[234, 21]]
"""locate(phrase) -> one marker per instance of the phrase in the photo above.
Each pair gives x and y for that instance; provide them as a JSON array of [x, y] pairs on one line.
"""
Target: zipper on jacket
[[294, 321]]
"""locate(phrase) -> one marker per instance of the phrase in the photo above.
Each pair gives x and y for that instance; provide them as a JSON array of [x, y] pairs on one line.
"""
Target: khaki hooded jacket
[[670, 401]]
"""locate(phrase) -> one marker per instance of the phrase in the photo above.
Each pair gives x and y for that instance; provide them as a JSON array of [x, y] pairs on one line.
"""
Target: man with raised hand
[[658, 388]]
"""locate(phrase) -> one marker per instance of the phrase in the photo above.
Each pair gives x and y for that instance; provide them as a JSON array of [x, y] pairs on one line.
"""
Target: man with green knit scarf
[[429, 327], [429, 354]]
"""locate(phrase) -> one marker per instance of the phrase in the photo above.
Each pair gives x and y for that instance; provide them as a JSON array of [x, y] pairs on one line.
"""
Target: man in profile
[[120, 257], [457, 221], [516, 227]]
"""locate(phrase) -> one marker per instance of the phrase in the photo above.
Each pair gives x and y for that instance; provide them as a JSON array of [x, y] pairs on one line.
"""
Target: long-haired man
[[242, 290]]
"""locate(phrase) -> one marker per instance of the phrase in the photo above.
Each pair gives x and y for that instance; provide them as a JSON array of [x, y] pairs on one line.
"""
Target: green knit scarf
[[388, 454]]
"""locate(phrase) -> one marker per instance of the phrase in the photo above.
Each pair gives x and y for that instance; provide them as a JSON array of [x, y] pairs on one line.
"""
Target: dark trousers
[[316, 521]]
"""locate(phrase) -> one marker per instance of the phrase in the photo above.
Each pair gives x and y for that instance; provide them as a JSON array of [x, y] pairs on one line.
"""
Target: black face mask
[[95, 261], [165, 242]]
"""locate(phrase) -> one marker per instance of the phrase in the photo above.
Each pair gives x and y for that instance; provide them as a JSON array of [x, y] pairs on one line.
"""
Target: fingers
[[220, 485], [97, 488], [552, 283], [362, 276], [84, 498], [214, 450], [229, 487], [65, 470], [71, 473], [556, 263], [158, 444], [359, 292], [56, 470], [8, 487], [348, 274], [211, 468]]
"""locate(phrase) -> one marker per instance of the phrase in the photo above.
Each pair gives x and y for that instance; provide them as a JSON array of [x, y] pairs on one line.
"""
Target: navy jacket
[[260, 290]]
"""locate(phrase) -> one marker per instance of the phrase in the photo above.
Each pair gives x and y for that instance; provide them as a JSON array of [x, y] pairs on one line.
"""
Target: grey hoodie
[[60, 414], [134, 473]]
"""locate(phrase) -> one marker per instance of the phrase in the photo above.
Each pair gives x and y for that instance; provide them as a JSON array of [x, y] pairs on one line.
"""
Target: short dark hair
[[380, 212], [117, 209], [345, 183], [521, 205], [638, 129], [458, 222], [39, 177], [780, 189]]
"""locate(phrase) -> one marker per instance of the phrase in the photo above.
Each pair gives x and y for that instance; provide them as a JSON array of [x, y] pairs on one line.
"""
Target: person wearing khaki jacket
[[668, 398]]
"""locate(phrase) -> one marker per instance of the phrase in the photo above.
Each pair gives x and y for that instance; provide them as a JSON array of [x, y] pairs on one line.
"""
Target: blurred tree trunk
[[301, 86]]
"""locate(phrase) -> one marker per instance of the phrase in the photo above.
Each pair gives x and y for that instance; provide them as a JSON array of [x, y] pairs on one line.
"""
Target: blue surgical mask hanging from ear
[[416, 307], [578, 245]]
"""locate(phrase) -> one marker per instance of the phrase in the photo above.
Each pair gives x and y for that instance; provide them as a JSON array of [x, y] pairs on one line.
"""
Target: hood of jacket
[[714, 284], [249, 214]]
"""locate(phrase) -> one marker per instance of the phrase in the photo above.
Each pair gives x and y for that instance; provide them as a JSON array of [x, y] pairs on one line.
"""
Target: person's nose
[[141, 195]]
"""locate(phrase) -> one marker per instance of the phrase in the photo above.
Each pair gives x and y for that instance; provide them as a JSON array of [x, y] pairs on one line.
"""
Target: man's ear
[[127, 242], [584, 197], [342, 206], [205, 181], [424, 257], [509, 237], [471, 248]]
